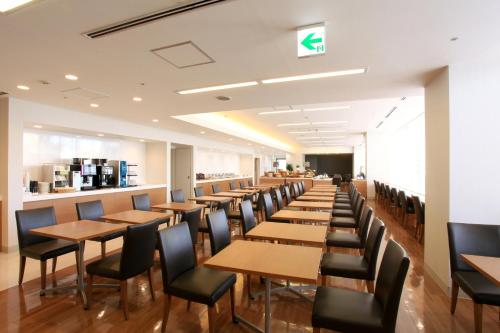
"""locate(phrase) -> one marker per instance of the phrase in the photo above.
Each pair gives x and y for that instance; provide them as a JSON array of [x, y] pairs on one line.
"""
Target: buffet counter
[[114, 200], [206, 184], [308, 182]]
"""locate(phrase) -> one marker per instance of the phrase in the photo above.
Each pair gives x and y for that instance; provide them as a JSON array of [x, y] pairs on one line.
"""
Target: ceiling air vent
[[179, 7]]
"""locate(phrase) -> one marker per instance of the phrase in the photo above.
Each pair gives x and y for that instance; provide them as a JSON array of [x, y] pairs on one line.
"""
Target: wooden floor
[[424, 307]]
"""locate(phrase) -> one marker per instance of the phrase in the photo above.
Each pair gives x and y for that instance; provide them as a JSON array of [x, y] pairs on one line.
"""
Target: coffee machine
[[105, 176], [88, 172]]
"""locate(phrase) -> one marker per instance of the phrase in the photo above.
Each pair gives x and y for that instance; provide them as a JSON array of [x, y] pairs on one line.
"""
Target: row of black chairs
[[401, 206]]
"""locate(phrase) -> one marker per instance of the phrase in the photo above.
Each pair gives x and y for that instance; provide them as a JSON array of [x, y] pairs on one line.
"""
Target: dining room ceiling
[[402, 44]]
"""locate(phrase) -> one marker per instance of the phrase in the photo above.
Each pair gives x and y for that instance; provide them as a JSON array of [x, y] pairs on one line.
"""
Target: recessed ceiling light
[[142, 140], [316, 76], [328, 108], [94, 105], [22, 87], [202, 132], [278, 112], [37, 126], [155, 120], [329, 122], [71, 77], [137, 99], [100, 134], [230, 139], [214, 88], [7, 5], [293, 124]]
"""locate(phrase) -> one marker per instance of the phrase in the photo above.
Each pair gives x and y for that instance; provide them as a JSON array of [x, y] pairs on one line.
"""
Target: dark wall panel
[[331, 163]]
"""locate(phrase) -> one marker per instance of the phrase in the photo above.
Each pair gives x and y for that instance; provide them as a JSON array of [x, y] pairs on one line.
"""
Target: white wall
[[359, 164], [210, 161], [246, 165]]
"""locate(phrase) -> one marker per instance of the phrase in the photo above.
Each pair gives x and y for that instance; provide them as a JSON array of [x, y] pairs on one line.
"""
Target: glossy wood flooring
[[424, 307]]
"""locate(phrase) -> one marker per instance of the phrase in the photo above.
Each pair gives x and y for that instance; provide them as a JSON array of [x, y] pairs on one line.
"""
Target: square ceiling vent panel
[[183, 55], [84, 93]]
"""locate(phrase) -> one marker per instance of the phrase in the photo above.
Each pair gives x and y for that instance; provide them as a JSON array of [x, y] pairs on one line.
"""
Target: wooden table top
[[277, 261], [325, 186], [319, 189], [319, 194], [210, 198], [179, 206], [229, 194], [311, 204], [301, 233], [135, 216], [487, 266], [245, 191], [79, 230], [315, 198], [287, 214]]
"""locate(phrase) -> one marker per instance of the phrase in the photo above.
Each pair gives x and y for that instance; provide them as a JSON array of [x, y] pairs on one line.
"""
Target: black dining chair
[[295, 191], [183, 279], [177, 196], [216, 188], [349, 212], [142, 202], [218, 230], [361, 267], [267, 202], [420, 218], [199, 192], [278, 198], [193, 220], [136, 257], [350, 205], [475, 239], [247, 223], [354, 311], [377, 191], [242, 185], [350, 240], [93, 210], [233, 186], [39, 247], [348, 222], [288, 195], [250, 182]]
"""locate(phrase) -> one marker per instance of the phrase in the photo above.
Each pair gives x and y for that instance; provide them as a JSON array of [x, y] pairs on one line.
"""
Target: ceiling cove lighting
[[22, 87], [329, 122], [308, 138], [7, 5], [94, 105], [71, 77], [316, 131], [37, 126], [137, 99], [155, 120], [278, 112], [293, 124], [328, 108], [316, 76], [215, 88]]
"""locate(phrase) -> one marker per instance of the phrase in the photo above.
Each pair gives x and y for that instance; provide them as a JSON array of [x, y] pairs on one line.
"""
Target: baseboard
[[446, 288], [10, 249]]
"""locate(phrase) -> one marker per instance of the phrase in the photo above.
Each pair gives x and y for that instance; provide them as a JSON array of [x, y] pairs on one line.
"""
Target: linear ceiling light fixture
[[316, 76], [316, 131], [278, 112], [329, 122], [7, 5], [293, 124], [328, 108], [215, 88]]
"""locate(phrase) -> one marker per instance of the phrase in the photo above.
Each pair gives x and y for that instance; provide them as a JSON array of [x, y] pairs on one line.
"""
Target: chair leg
[[454, 296], [103, 249], [233, 304], [422, 231], [150, 279], [249, 286], [478, 318], [77, 256], [54, 264], [22, 265], [90, 282], [370, 285], [124, 297], [323, 280], [43, 276], [316, 330], [166, 311], [211, 319]]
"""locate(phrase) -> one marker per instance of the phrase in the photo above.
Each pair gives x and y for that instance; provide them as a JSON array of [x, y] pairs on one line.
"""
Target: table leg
[[267, 313], [81, 284]]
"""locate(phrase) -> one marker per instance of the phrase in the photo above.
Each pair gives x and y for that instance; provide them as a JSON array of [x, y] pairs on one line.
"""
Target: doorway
[[181, 166], [256, 170]]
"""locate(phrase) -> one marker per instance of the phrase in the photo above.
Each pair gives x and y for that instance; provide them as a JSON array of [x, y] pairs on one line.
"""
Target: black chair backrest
[[296, 191], [278, 198], [242, 185], [198, 191], [216, 188], [301, 188], [233, 186], [387, 192], [225, 206], [394, 195], [419, 214], [364, 224], [381, 188], [375, 183], [470, 238], [359, 208], [250, 182], [355, 199], [288, 196], [30, 219], [193, 219], [247, 196], [372, 247], [138, 250], [141, 202], [390, 281], [247, 217], [177, 195], [176, 253], [90, 210], [402, 200], [218, 230], [267, 201]]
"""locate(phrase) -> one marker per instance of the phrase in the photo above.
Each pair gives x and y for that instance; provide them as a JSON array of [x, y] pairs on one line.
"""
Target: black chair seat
[[479, 288], [343, 222], [108, 237], [347, 206], [342, 193], [343, 239], [344, 265], [342, 200], [346, 310], [202, 285], [343, 213], [49, 249], [108, 267], [234, 215]]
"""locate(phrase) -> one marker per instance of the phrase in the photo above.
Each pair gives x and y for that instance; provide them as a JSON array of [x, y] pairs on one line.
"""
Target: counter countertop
[[289, 177], [220, 179], [51, 196]]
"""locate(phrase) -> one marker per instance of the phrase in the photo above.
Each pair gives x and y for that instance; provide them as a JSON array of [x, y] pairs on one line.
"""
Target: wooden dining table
[[136, 216], [321, 189], [310, 205], [316, 198], [489, 267], [319, 194], [78, 232], [298, 216], [235, 195], [270, 261], [290, 233], [179, 207]]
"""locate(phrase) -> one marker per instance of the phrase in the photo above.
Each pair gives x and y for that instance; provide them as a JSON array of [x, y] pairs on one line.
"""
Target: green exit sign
[[311, 40]]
